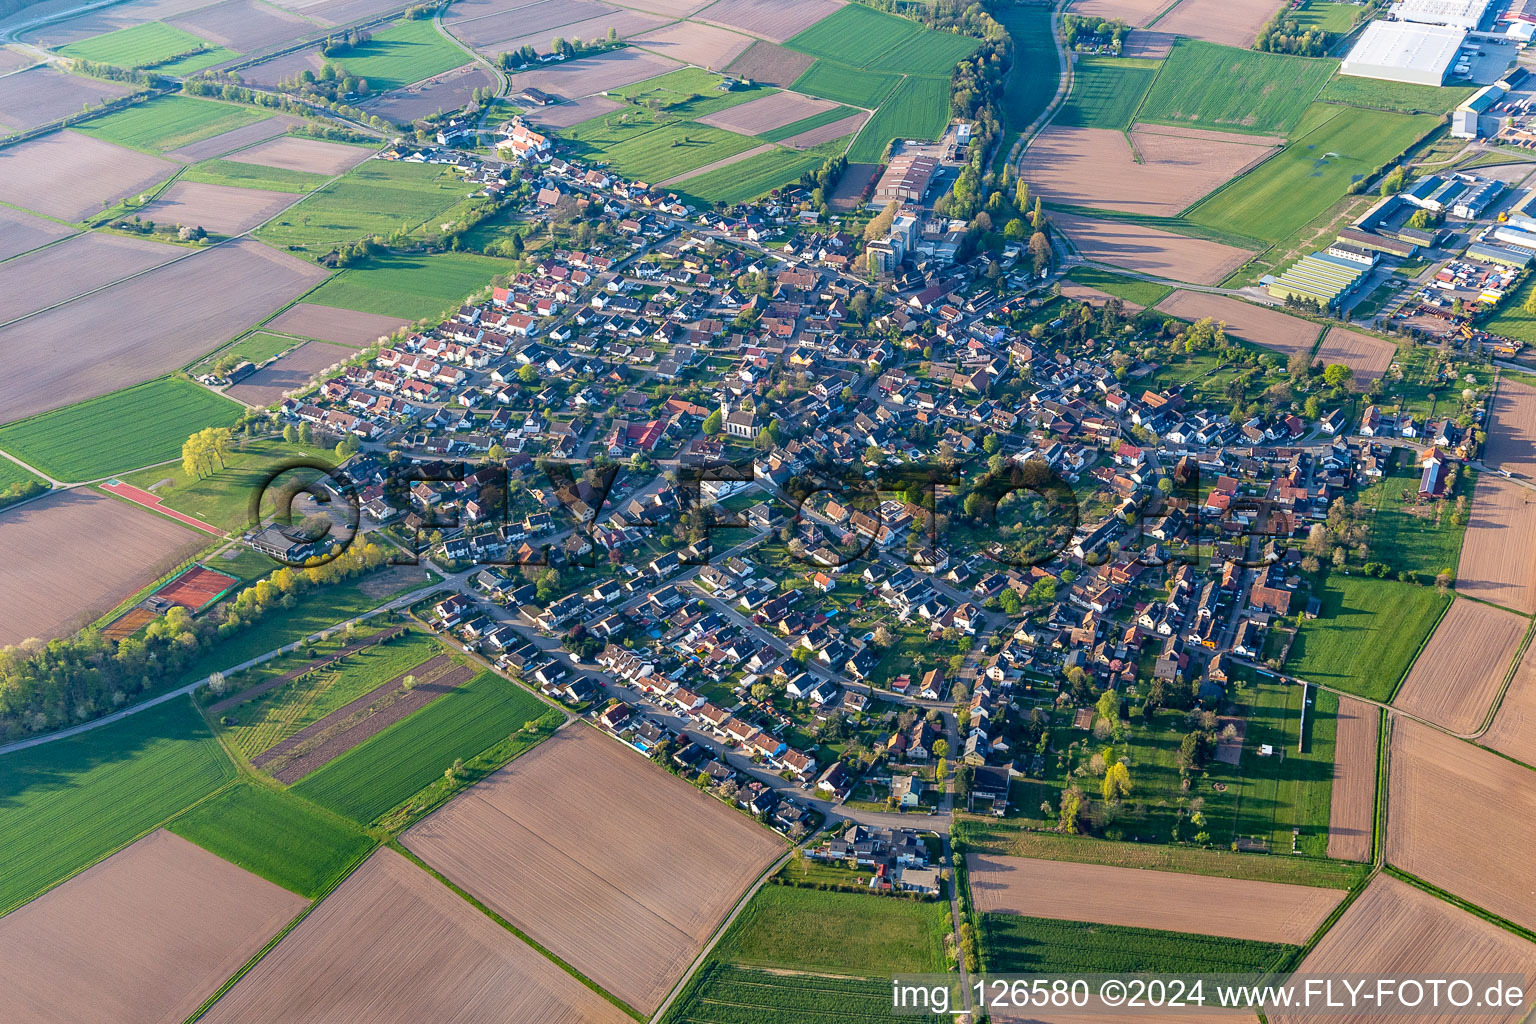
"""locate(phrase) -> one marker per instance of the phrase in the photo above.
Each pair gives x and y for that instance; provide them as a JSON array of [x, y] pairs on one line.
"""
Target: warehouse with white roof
[[1463, 14], [1404, 51]]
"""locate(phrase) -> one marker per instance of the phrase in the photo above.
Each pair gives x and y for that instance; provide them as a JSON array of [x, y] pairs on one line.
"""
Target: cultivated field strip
[[392, 945], [771, 64], [287, 373], [21, 232], [1396, 930], [1096, 893], [69, 175], [43, 95], [1458, 674], [1229, 22], [1512, 432], [629, 914], [73, 267], [767, 113], [773, 20], [1152, 251], [1513, 731], [692, 43], [146, 935], [217, 209], [271, 684], [447, 91], [1258, 325], [320, 743], [1351, 812], [1498, 552], [1436, 783], [309, 155], [590, 75], [235, 138], [338, 326]]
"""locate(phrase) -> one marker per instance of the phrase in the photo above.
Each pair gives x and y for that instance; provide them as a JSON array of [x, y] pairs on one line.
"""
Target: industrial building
[[1504, 255], [1404, 51], [1462, 14], [907, 178], [1325, 277]]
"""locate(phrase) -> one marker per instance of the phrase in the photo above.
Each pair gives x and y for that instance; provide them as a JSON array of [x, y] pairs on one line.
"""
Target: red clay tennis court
[[129, 623], [197, 588]]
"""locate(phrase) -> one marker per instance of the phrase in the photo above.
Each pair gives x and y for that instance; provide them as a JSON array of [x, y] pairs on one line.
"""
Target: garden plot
[[338, 326], [217, 209], [72, 556], [146, 935], [770, 63], [1257, 325], [1436, 780], [127, 333], [1097, 168], [755, 117], [1351, 811], [1498, 552], [44, 95], [590, 75], [1366, 354], [1458, 674], [309, 155], [1229, 22], [692, 43], [235, 138], [77, 265], [1512, 434], [447, 91], [1513, 731], [392, 945], [70, 176], [1229, 907], [245, 26], [631, 916], [774, 20], [287, 373], [22, 232]]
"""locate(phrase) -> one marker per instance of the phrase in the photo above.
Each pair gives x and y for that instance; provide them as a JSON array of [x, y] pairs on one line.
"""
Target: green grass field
[[135, 47], [1143, 293], [275, 835], [806, 124], [1407, 536], [196, 62], [73, 801], [118, 432], [690, 92], [403, 54], [256, 346], [1293, 787], [883, 42], [375, 197], [410, 286], [168, 122], [1402, 97], [10, 474], [1366, 635], [1031, 81], [930, 53], [748, 179], [722, 994], [1106, 92], [918, 109], [836, 933], [672, 150], [238, 175], [1212, 86], [1331, 149], [1326, 15], [391, 767], [1511, 320], [1033, 945], [833, 81]]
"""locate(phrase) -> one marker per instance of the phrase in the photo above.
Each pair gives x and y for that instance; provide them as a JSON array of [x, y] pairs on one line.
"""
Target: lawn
[[1332, 148], [1511, 320], [1326, 15], [275, 835], [1212, 86], [672, 150], [1106, 92], [168, 122], [833, 81], [690, 92], [115, 433], [136, 47], [721, 993], [1367, 634], [1143, 293], [195, 62], [750, 178], [238, 175], [806, 124], [403, 54], [256, 346], [1291, 788], [223, 498], [1407, 536], [393, 766], [414, 287], [1403, 97], [377, 197], [1014, 944], [918, 109], [1033, 77], [73, 801]]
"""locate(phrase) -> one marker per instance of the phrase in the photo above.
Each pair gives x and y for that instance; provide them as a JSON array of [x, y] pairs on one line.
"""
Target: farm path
[[34, 470]]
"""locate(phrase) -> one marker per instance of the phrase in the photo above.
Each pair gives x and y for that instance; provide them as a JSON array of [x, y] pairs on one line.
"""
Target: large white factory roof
[[1403, 45], [1456, 13]]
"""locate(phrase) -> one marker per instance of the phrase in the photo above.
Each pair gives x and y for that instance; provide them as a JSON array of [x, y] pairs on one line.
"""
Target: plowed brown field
[[1230, 907], [1132, 12], [21, 232], [1258, 325], [774, 20], [77, 265], [1366, 354], [340, 326], [1512, 434], [310, 155], [393, 945], [68, 175], [1513, 731], [1459, 672], [287, 373], [1229, 22], [1151, 250], [1352, 809], [38, 96], [1498, 553], [692, 43], [217, 209], [618, 868], [589, 75], [771, 63], [762, 115]]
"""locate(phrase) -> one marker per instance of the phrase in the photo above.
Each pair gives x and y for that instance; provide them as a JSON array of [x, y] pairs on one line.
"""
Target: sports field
[[168, 122], [117, 432], [1212, 86], [222, 498], [149, 43], [71, 802], [273, 179], [831, 80], [1106, 92], [402, 54], [377, 197], [917, 109], [1366, 634], [412, 287]]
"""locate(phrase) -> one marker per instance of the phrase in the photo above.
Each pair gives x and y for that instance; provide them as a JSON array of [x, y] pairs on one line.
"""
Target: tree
[[1109, 706], [1070, 809], [883, 637], [713, 422], [940, 748], [528, 373], [347, 447], [880, 225], [1040, 251], [1117, 782], [217, 684], [1010, 602]]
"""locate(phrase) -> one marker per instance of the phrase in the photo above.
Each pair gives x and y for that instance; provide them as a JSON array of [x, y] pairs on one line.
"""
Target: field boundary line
[[1398, 685], [1160, 15], [1446, 896]]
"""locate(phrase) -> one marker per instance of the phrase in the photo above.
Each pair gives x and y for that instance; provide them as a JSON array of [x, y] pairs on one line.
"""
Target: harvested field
[[771, 63], [1095, 167], [1434, 780], [1229, 22], [1458, 674], [1149, 45], [309, 155], [763, 115], [1366, 354], [69, 175], [14, 60], [269, 685], [812, 137], [73, 555], [1257, 325], [590, 75], [322, 742], [1498, 552], [1091, 295], [127, 333], [856, 178], [774, 20], [1151, 250], [671, 8], [217, 209], [235, 138], [81, 264], [484, 23], [395, 946], [1512, 434], [1229, 907], [344, 12], [623, 21], [44, 95], [1397, 930], [1513, 731], [146, 935], [447, 91], [129, 623], [631, 916], [288, 65], [22, 232], [574, 112], [245, 26], [287, 373], [1352, 810], [766, 147], [692, 43], [1133, 12], [339, 326]]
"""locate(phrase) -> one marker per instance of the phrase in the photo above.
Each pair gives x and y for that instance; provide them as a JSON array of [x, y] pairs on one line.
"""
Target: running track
[[149, 501]]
